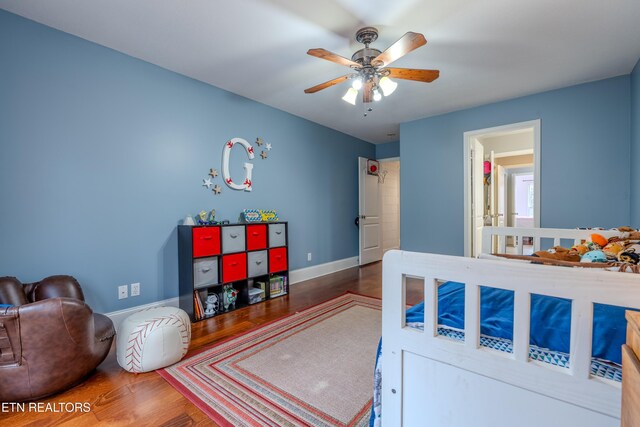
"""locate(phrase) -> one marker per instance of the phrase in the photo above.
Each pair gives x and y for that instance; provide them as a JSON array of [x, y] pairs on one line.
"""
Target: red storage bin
[[277, 260], [234, 267], [206, 241], [256, 237]]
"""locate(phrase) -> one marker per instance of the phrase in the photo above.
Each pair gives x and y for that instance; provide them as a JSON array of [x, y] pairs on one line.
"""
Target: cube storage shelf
[[248, 260]]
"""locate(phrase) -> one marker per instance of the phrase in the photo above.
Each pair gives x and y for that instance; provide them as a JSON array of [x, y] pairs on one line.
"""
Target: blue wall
[[102, 155], [388, 150], [585, 143], [635, 146]]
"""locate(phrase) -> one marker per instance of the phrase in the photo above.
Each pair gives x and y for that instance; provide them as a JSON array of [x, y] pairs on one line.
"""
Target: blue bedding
[[550, 319]]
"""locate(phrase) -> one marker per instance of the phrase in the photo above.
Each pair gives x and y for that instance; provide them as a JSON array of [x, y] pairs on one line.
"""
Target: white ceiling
[[486, 50]]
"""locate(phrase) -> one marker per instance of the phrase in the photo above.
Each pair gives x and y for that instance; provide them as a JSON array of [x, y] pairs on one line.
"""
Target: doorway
[[493, 158], [379, 209], [389, 180]]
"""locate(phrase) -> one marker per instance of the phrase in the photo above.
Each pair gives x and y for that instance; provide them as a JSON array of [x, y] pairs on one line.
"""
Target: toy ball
[[594, 256], [599, 239]]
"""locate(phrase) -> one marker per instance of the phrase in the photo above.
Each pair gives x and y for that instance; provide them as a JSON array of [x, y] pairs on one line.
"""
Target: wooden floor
[[121, 398]]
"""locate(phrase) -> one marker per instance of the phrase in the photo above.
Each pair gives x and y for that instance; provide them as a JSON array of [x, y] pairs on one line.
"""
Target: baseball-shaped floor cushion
[[152, 339]]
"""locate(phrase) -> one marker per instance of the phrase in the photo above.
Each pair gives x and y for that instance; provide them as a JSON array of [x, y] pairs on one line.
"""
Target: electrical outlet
[[135, 289], [122, 292], [309, 256]]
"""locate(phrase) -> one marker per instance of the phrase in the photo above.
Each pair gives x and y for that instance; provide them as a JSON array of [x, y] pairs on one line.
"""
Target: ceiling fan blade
[[325, 85], [426, 76], [410, 41], [367, 92], [333, 57]]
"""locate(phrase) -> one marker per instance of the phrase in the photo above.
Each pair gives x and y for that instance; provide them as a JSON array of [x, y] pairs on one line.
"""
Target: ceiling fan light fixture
[[351, 96], [370, 67], [387, 85]]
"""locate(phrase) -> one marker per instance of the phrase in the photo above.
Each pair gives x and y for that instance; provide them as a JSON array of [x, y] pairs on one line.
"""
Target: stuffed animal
[[581, 249], [594, 256], [629, 256], [599, 239], [611, 250], [559, 253], [592, 246], [212, 305], [229, 296], [635, 247]]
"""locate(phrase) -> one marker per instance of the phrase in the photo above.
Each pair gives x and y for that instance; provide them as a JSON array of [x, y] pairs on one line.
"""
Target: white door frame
[[467, 137]]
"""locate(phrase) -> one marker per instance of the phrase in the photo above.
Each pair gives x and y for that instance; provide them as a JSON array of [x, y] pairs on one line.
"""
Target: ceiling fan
[[370, 67]]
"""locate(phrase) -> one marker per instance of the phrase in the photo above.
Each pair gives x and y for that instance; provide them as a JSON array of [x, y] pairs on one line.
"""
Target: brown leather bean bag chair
[[49, 338]]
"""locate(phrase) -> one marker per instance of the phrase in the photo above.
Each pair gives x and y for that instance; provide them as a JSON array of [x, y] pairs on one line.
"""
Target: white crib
[[429, 380]]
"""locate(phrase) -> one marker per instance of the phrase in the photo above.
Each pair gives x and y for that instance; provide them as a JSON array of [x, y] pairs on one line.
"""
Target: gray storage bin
[[233, 239], [257, 263], [277, 235], [205, 272]]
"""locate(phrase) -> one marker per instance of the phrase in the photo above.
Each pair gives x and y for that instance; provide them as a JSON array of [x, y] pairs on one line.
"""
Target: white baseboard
[[312, 272], [295, 276], [118, 316]]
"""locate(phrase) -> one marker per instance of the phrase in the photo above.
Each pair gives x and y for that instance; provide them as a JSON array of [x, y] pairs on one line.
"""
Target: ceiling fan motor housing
[[364, 56], [367, 35]]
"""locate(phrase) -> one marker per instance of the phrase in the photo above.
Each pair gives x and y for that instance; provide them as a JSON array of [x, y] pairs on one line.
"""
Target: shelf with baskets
[[229, 266]]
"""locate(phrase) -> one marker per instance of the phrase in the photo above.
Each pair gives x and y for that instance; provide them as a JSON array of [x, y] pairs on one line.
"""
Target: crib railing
[[584, 288]]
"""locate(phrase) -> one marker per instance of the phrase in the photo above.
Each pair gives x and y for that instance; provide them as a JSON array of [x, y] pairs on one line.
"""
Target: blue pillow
[[5, 306]]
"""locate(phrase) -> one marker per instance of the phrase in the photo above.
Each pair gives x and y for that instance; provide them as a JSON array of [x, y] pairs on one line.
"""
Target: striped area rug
[[312, 368]]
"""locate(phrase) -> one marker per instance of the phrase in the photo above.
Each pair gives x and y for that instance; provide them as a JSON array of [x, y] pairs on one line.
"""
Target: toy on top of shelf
[[202, 217], [259, 215], [268, 215], [207, 218], [251, 215]]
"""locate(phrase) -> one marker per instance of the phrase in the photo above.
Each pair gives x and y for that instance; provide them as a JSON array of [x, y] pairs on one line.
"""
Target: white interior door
[[497, 199], [493, 202], [370, 234], [493, 199], [501, 193], [477, 203], [524, 208]]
